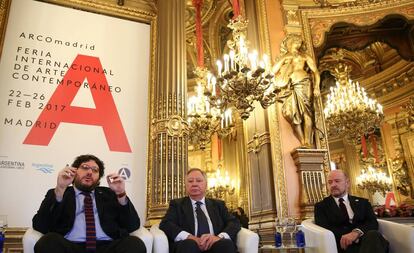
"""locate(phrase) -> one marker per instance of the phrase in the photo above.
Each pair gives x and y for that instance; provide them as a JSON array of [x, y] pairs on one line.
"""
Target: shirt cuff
[[359, 231], [224, 235], [181, 236]]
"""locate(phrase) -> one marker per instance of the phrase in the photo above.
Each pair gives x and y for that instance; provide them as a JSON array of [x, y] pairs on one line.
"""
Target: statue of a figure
[[297, 79]]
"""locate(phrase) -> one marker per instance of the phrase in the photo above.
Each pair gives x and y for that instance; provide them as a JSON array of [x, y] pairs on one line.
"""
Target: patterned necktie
[[343, 209], [202, 222], [90, 223]]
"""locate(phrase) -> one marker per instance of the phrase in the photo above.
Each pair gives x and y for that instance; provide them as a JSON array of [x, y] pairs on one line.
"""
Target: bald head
[[338, 183]]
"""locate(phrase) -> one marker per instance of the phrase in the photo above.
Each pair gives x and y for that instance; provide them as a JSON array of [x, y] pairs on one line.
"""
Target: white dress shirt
[[184, 234], [347, 205]]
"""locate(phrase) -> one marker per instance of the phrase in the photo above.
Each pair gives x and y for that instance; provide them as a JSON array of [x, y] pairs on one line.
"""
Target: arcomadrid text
[[49, 39]]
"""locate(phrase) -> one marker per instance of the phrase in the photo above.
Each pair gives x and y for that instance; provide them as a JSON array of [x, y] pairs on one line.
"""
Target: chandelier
[[373, 181], [219, 185], [241, 77], [205, 120], [349, 112]]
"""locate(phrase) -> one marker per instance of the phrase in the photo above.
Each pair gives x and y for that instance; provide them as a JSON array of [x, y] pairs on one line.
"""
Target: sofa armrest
[[30, 238], [247, 241], [318, 237], [400, 236], [145, 236], [160, 244]]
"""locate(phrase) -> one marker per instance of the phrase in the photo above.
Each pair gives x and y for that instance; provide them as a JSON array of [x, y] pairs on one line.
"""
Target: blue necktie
[[202, 222]]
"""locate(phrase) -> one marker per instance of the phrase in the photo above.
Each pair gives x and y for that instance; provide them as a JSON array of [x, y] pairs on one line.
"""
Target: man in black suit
[[350, 218], [86, 217], [196, 224]]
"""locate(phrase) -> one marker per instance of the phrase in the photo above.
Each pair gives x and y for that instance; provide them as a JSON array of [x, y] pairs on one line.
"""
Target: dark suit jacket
[[328, 215], [180, 217], [117, 221]]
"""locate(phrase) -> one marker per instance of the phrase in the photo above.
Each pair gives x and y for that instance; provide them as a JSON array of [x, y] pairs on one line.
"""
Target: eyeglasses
[[95, 169]]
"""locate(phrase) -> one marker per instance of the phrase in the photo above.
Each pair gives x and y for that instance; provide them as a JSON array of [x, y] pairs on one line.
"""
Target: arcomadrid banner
[[71, 83]]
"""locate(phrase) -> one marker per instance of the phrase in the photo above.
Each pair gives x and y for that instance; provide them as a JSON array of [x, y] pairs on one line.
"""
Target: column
[[168, 146]]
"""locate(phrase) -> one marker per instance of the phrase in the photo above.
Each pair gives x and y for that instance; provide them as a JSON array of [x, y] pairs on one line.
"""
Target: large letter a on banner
[[104, 114]]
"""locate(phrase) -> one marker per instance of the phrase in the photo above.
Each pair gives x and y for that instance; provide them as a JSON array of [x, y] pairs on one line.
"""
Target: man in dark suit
[[196, 224], [350, 218], [86, 217]]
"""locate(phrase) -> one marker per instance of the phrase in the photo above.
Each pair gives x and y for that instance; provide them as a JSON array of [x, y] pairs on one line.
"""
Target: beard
[[85, 188]]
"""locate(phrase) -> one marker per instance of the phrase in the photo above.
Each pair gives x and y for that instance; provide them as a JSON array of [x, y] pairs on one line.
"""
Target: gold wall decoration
[[292, 17], [402, 180], [258, 141], [409, 108], [4, 12], [175, 126]]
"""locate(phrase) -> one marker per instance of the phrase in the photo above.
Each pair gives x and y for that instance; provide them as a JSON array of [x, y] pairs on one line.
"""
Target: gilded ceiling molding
[[320, 21], [137, 10], [344, 3]]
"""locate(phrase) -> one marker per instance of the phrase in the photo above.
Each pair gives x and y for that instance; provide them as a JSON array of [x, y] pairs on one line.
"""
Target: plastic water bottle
[[278, 240], [300, 238], [1, 240]]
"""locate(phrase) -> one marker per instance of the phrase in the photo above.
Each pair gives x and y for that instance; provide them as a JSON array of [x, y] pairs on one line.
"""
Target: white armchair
[[400, 236], [32, 236], [247, 241]]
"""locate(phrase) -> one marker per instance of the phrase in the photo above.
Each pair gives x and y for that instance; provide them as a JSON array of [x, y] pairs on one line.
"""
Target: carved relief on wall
[[339, 158], [401, 178]]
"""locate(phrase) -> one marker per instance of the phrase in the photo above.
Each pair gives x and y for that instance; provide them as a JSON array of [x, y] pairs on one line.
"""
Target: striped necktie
[[90, 223], [202, 222]]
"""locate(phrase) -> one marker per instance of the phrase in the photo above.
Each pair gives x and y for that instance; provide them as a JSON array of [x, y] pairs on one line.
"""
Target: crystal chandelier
[[373, 181], [205, 120], [220, 185], [349, 112], [241, 77]]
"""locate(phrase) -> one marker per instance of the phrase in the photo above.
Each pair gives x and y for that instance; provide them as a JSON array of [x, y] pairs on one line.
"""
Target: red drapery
[[364, 146], [199, 33], [236, 9], [374, 146]]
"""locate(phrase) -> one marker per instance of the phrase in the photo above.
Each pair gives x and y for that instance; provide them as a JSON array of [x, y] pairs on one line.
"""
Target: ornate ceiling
[[381, 57]]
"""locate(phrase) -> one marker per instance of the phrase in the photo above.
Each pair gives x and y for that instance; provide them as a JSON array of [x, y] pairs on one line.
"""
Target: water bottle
[[278, 240], [300, 238], [1, 239]]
